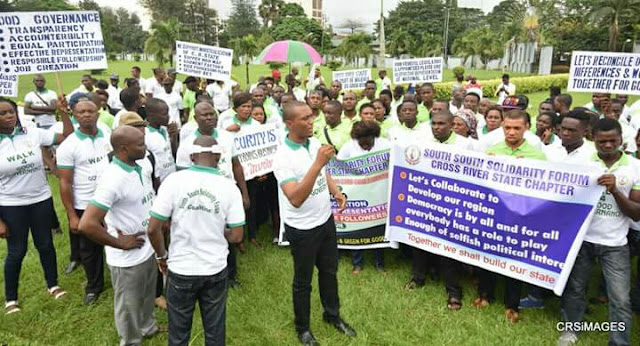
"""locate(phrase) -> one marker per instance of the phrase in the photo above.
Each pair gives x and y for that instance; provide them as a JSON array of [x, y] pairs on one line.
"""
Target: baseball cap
[[77, 97], [189, 80], [275, 74], [114, 76], [515, 102], [131, 119]]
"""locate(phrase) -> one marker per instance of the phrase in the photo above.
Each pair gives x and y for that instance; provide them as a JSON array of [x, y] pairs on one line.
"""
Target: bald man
[[199, 241], [123, 200]]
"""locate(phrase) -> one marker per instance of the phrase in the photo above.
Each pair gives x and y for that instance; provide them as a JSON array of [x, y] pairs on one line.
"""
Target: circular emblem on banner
[[412, 154], [623, 180]]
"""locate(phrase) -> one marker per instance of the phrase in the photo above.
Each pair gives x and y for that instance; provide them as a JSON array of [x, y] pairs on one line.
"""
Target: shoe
[[233, 283], [11, 307], [161, 302], [343, 327], [413, 284], [356, 270], [480, 303], [512, 316], [71, 267], [91, 298], [530, 303], [306, 338], [275, 240], [255, 242], [241, 248], [567, 338]]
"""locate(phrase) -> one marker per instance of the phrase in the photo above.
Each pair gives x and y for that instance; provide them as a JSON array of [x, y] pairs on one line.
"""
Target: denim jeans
[[357, 258], [20, 219], [211, 294], [616, 268]]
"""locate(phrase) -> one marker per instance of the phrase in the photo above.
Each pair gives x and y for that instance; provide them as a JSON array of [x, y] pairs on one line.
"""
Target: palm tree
[[161, 42], [482, 42], [269, 11], [400, 42], [610, 11], [356, 46], [247, 47], [428, 45]]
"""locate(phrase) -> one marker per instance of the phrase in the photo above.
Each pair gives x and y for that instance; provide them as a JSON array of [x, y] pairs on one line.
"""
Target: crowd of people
[[151, 185]]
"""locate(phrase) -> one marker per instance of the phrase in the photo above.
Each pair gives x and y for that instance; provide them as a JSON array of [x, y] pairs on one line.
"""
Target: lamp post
[[625, 43], [383, 47]]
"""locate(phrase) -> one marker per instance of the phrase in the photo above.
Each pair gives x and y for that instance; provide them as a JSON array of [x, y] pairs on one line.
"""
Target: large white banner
[[417, 70], [8, 85], [204, 61], [352, 79], [605, 72], [255, 148], [36, 42]]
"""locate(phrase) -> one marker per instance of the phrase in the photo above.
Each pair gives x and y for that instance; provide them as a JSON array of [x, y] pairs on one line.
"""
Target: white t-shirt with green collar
[[291, 163], [224, 138], [233, 120], [126, 193], [22, 177], [609, 225], [87, 156], [158, 143], [201, 203]]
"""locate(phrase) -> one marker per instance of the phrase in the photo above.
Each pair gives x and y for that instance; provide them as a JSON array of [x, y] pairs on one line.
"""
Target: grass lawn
[[260, 313]]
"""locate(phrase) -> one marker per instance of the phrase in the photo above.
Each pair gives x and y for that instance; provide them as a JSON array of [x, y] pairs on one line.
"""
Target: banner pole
[[59, 82]]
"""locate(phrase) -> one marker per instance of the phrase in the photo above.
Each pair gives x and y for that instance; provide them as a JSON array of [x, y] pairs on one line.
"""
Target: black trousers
[[263, 195], [74, 243], [421, 263], [314, 247], [91, 255], [487, 286]]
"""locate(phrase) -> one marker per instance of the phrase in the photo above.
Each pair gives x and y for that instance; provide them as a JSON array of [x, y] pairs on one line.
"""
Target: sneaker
[[530, 303], [567, 338]]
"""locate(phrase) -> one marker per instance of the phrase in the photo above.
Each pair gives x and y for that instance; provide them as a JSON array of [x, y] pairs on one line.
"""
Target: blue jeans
[[358, 258], [616, 268], [182, 294]]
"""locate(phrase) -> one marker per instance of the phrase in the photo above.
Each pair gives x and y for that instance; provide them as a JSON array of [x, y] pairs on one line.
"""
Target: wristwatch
[[164, 257]]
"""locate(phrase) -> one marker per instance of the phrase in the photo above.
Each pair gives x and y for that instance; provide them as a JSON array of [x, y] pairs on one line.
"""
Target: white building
[[312, 8]]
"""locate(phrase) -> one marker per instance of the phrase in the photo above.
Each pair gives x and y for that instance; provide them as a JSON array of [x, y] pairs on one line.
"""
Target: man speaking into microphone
[[299, 167]]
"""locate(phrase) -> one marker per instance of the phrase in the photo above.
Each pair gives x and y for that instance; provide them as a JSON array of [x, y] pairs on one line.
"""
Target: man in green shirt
[[314, 101], [335, 132], [190, 96], [368, 94], [426, 91], [383, 82], [515, 124], [349, 113]]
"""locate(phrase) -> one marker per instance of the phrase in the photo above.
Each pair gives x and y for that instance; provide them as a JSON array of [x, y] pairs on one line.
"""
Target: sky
[[367, 11]]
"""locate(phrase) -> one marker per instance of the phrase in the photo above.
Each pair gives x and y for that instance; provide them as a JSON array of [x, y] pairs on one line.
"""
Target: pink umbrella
[[290, 51]]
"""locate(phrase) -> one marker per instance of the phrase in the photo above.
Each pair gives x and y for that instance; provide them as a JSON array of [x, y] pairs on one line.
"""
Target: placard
[[352, 79], [417, 70], [37, 42], [605, 72], [200, 60], [8, 85]]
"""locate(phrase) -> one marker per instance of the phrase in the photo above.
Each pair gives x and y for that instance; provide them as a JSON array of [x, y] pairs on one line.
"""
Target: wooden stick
[[59, 82]]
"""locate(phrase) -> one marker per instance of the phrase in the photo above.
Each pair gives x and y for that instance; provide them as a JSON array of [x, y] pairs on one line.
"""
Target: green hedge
[[524, 85]]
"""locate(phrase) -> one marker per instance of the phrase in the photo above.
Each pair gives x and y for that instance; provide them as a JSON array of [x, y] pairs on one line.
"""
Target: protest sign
[[364, 180], [605, 72], [200, 60], [255, 148], [521, 218], [8, 85], [36, 42], [352, 79], [417, 70]]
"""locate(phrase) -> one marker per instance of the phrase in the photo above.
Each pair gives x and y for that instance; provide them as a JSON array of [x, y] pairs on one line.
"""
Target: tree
[[428, 45], [302, 29], [162, 10], [243, 20], [42, 5], [356, 46], [353, 25], [400, 42], [482, 42], [162, 41], [130, 34], [292, 10], [269, 11], [246, 47], [198, 20], [610, 11]]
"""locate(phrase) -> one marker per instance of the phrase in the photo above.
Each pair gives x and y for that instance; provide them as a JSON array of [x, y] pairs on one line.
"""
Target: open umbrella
[[290, 51]]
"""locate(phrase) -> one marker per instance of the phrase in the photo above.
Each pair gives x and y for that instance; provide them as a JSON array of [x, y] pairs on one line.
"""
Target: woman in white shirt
[[365, 139], [25, 198]]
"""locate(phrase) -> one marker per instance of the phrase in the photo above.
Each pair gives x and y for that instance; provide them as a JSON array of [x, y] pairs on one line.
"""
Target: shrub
[[275, 65], [112, 57], [560, 69], [525, 85], [458, 70], [136, 57], [334, 64], [96, 72]]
